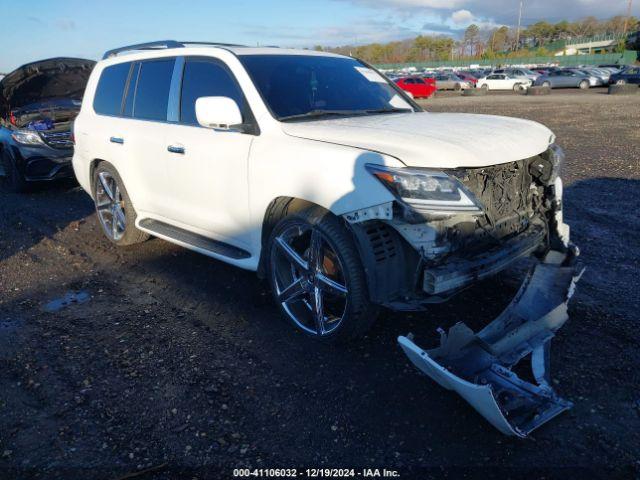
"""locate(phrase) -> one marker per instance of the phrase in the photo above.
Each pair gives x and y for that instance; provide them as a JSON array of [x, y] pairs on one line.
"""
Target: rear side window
[[205, 78], [152, 95], [108, 98]]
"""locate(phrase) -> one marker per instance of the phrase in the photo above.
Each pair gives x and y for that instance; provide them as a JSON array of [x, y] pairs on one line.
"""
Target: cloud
[[411, 4], [362, 31], [65, 24], [504, 12], [461, 16]]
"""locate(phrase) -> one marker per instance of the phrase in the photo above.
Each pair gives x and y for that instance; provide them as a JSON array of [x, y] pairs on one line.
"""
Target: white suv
[[316, 171]]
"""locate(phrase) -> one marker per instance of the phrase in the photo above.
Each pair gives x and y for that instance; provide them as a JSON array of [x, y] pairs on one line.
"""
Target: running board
[[193, 239], [478, 365]]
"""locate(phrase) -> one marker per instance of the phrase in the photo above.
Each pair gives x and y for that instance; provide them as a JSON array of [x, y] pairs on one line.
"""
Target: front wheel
[[113, 206], [317, 277], [621, 82], [584, 84], [546, 84]]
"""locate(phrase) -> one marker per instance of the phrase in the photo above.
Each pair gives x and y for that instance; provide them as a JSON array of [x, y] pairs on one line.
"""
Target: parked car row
[[517, 78]]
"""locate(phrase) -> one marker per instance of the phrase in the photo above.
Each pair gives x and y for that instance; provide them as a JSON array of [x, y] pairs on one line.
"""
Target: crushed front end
[[450, 229]]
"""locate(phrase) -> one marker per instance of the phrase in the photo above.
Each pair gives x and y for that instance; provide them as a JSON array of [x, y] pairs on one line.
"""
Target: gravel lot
[[181, 365]]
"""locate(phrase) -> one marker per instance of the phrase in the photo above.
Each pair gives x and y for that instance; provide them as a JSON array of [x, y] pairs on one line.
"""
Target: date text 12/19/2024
[[315, 473]]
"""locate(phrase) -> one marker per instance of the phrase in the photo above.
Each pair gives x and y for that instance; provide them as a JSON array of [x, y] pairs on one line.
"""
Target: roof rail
[[162, 44], [213, 44], [143, 46]]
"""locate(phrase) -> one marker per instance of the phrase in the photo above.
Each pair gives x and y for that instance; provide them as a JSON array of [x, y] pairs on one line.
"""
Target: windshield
[[306, 85]]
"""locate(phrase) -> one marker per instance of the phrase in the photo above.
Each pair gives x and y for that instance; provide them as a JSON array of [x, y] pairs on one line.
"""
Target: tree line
[[537, 39]]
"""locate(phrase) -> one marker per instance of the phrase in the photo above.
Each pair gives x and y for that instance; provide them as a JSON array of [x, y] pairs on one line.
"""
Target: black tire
[[12, 181], [131, 234], [584, 85], [360, 313]]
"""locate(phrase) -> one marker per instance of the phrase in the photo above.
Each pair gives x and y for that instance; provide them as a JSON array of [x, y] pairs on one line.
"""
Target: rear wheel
[[12, 180], [546, 84], [584, 84], [317, 277], [113, 206], [485, 86], [457, 87]]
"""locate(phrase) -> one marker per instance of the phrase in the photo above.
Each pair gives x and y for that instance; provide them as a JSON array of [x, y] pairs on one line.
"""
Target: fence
[[629, 56]]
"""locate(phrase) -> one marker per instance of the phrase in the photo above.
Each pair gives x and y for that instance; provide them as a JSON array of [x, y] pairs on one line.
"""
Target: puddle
[[70, 298]]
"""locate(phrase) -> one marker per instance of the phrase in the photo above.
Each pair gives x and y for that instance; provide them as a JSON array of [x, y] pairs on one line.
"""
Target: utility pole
[[626, 20], [519, 24]]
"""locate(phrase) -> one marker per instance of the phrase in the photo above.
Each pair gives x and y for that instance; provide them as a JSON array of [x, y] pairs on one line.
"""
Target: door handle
[[117, 140], [175, 149]]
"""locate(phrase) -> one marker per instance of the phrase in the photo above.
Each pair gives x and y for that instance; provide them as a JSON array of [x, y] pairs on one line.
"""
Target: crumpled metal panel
[[478, 365]]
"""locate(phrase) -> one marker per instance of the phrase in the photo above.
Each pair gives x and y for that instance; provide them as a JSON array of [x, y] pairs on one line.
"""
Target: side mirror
[[218, 112]]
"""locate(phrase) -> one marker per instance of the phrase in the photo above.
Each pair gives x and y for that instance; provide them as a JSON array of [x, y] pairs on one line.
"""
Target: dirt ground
[[178, 366]]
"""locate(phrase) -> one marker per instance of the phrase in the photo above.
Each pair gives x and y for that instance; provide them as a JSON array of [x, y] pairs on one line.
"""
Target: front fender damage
[[478, 365]]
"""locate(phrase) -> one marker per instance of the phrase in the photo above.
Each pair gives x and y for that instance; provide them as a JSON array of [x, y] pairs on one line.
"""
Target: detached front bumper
[[478, 366]]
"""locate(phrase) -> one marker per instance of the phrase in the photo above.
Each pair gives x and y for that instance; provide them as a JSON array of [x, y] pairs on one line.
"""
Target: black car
[[628, 75], [38, 103]]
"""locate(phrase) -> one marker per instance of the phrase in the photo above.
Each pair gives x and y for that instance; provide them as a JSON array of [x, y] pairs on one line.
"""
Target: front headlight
[[426, 191], [27, 137]]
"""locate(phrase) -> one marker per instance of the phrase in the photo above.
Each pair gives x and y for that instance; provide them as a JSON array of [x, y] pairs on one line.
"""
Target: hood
[[44, 80], [435, 140]]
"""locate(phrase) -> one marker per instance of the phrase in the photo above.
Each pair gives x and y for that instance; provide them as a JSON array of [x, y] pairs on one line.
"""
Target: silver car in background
[[564, 79], [450, 81]]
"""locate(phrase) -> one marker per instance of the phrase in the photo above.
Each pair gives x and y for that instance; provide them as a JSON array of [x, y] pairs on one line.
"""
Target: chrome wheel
[[110, 206], [309, 279]]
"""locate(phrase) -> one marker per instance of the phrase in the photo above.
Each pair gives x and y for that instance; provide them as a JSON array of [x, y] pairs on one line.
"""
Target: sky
[[41, 29]]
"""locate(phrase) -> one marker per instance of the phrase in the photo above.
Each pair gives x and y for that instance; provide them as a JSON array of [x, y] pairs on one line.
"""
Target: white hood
[[437, 140]]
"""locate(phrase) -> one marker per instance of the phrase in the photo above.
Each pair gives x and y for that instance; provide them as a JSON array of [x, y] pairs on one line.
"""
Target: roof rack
[[162, 44]]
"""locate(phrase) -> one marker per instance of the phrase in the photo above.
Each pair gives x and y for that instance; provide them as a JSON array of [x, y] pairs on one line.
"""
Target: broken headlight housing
[[427, 191], [27, 137], [549, 168]]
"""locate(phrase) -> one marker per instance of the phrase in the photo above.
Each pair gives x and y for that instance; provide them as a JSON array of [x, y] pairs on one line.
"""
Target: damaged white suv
[[316, 171]]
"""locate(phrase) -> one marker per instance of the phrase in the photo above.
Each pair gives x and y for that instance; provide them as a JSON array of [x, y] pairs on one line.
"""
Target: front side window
[[293, 85], [205, 78], [152, 93], [108, 97]]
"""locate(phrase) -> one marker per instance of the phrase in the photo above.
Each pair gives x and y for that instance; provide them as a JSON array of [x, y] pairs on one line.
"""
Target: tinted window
[[205, 78], [108, 98], [299, 84], [419, 80], [152, 94], [409, 80]]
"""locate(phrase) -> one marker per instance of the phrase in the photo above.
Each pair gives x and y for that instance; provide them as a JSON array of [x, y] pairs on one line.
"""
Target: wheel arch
[[278, 209]]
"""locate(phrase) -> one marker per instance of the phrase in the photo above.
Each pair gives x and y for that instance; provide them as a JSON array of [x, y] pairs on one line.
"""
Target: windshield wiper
[[323, 113], [390, 110]]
